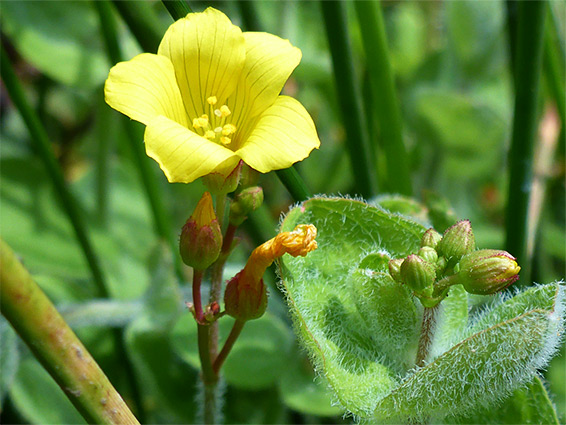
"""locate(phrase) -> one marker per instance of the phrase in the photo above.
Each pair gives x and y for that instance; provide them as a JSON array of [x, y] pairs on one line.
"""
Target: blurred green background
[[451, 65]]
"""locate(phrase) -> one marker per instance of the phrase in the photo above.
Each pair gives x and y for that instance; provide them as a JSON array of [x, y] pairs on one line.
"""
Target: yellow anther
[[225, 140], [228, 129], [212, 100], [224, 111], [210, 135], [196, 123]]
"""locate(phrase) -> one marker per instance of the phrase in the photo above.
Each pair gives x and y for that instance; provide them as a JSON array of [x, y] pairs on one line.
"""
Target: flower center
[[213, 126]]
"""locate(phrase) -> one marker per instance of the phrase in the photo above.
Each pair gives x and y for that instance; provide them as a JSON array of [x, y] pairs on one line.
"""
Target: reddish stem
[[197, 302], [234, 333]]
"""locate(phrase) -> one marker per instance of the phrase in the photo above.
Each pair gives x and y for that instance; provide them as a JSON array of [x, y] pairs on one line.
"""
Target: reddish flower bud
[[487, 271], [201, 237], [245, 298], [457, 241], [431, 238], [219, 183]]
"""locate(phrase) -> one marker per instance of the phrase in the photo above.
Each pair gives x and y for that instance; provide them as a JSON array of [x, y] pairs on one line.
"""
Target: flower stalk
[[427, 334]]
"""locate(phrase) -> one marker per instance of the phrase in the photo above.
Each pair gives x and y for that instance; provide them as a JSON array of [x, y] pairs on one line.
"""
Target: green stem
[[55, 345], [553, 63], [141, 161], [527, 70], [102, 163], [357, 138], [141, 21], [234, 334], [177, 8], [41, 142], [294, 184], [385, 105], [250, 18], [427, 334]]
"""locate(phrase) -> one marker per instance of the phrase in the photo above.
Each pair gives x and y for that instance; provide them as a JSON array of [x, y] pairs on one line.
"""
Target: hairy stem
[[427, 334]]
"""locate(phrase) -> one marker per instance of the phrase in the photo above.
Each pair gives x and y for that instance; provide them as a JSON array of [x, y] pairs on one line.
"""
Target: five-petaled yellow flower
[[210, 98]]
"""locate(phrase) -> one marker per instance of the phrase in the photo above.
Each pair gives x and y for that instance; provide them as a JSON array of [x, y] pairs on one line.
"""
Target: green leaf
[[404, 206], [258, 357], [39, 399], [487, 366], [59, 38], [301, 391], [528, 405], [325, 307]]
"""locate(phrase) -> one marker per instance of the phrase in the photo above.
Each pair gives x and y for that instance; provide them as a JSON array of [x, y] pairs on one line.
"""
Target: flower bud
[[431, 238], [245, 202], [457, 241], [221, 183], [395, 269], [201, 237], [487, 271], [428, 254], [417, 273], [245, 299]]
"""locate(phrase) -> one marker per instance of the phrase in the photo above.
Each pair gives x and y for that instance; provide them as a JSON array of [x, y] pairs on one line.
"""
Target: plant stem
[[357, 138], [141, 21], [197, 301], [530, 37], [385, 104], [234, 334], [293, 182], [41, 142], [177, 8], [142, 162], [427, 334], [55, 345]]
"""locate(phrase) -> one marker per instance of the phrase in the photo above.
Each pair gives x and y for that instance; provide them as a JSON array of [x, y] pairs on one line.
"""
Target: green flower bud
[[457, 241], [417, 273], [201, 237], [428, 254], [395, 269], [245, 202], [245, 298], [431, 238], [487, 271], [219, 183]]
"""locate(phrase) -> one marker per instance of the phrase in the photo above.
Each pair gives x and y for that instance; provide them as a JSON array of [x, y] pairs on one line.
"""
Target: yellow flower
[[210, 98]]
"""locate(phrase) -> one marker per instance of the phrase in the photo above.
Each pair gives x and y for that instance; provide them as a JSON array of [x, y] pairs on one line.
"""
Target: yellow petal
[[283, 135], [208, 53], [145, 87], [270, 60], [183, 155]]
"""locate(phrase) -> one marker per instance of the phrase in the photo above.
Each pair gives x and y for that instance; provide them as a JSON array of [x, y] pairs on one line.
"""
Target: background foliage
[[451, 64]]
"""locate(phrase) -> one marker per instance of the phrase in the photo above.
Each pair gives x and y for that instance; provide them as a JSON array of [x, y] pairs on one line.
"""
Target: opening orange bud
[[246, 296]]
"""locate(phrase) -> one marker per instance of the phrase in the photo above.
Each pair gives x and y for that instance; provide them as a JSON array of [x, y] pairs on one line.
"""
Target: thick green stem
[[427, 334], [527, 71], [234, 334], [55, 345], [41, 142], [294, 184], [357, 138], [385, 103]]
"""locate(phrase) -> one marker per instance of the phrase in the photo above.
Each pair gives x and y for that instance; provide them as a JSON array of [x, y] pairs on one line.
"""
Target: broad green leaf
[[301, 391], [451, 321], [528, 405], [325, 307], [258, 357], [405, 206], [9, 357], [39, 399], [60, 38], [505, 349]]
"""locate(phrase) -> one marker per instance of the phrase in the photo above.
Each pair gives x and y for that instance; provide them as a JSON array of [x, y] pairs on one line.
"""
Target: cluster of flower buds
[[201, 237], [451, 259]]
